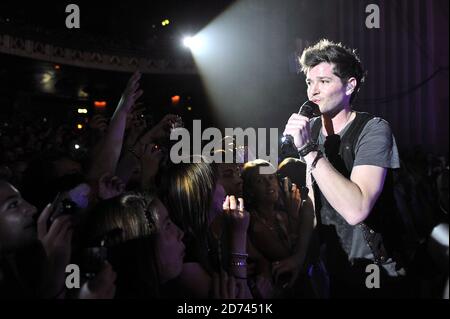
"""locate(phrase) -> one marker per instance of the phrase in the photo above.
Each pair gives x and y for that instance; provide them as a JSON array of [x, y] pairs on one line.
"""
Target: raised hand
[[56, 240], [162, 130], [292, 198], [235, 213], [151, 159], [99, 123], [57, 243], [135, 117], [131, 94], [109, 149], [298, 127], [110, 186], [136, 126]]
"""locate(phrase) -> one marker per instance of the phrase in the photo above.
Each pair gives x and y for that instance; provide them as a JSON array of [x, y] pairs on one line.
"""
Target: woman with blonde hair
[[144, 247]]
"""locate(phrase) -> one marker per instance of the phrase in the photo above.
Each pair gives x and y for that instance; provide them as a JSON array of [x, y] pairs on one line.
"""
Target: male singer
[[348, 155]]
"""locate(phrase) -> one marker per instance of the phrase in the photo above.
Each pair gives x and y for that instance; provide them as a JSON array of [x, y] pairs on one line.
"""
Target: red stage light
[[175, 99], [100, 103]]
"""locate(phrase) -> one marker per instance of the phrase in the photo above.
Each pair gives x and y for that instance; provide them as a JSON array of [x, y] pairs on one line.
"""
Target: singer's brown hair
[[346, 62]]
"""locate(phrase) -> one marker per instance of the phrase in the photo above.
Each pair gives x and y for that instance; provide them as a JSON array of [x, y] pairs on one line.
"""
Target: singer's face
[[326, 89]]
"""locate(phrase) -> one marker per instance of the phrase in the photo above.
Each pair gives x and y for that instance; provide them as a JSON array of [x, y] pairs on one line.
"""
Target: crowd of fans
[[140, 226]]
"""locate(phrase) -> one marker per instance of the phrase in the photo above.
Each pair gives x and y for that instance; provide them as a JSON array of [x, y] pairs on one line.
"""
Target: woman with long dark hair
[[191, 197], [276, 226]]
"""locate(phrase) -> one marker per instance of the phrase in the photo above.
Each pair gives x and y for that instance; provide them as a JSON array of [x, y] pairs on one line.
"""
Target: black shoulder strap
[[315, 131], [351, 136], [355, 128], [358, 124]]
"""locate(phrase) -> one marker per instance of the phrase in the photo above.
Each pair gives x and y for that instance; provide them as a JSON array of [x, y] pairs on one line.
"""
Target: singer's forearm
[[352, 198]]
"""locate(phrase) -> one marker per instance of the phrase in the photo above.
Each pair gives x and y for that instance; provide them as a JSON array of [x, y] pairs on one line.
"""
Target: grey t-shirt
[[375, 146]]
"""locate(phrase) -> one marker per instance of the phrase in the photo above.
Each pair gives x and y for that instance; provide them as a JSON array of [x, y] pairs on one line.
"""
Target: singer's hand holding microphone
[[298, 127], [297, 130]]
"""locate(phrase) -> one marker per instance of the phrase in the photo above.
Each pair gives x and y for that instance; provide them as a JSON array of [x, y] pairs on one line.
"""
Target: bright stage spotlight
[[187, 41], [193, 43]]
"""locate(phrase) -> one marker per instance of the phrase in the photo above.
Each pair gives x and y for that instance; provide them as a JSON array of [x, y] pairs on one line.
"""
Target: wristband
[[314, 163], [307, 148]]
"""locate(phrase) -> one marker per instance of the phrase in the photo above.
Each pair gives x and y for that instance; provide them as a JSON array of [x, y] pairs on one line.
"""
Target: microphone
[[309, 109]]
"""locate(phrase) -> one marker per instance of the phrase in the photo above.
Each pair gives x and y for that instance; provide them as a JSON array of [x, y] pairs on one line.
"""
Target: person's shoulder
[[375, 122], [372, 118], [192, 267]]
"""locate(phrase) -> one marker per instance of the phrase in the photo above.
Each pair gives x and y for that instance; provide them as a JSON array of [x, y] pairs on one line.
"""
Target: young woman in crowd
[[280, 237]]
